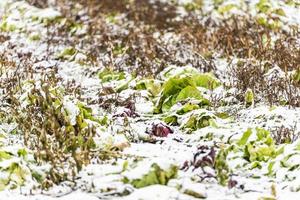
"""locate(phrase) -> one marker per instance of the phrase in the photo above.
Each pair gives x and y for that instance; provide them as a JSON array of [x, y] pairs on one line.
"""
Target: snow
[[157, 192], [72, 110], [105, 178]]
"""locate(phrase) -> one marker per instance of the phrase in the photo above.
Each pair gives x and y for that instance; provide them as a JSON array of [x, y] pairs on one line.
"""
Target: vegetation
[[140, 93]]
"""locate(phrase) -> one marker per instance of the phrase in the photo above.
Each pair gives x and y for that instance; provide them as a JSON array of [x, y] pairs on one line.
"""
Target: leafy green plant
[[18, 167], [197, 120], [67, 53], [221, 167], [107, 75], [5, 26], [296, 77], [260, 147], [249, 97], [151, 85], [155, 175], [226, 8], [192, 6], [183, 86]]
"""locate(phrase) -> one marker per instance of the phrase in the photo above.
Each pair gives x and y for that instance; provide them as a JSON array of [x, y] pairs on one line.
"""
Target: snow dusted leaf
[[107, 75], [245, 137], [189, 106], [222, 168], [197, 120], [155, 175], [4, 155], [177, 89], [67, 53], [206, 80], [249, 97], [152, 85], [226, 8], [189, 92]]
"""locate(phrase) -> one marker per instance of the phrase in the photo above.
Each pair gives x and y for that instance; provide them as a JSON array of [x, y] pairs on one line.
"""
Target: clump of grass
[[270, 84], [55, 134], [38, 3], [283, 135]]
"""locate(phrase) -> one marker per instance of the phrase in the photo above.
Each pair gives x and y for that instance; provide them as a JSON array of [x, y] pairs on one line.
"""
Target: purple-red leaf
[[160, 130]]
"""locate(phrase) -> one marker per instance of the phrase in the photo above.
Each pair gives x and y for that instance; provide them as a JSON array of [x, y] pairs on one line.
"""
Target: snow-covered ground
[[223, 152]]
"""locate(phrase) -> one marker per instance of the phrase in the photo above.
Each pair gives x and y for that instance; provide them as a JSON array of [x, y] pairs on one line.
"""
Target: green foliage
[[296, 76], [118, 81], [67, 54], [249, 97], [15, 168], [192, 6], [170, 90], [263, 6], [197, 120], [265, 10], [171, 119], [221, 167], [260, 148], [156, 175], [178, 88], [35, 37], [107, 75], [119, 50], [4, 155], [206, 80], [226, 8], [189, 92], [187, 108], [245, 137], [7, 27], [151, 85]]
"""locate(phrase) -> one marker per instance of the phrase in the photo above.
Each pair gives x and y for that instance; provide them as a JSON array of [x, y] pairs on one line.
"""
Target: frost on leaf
[[155, 175]]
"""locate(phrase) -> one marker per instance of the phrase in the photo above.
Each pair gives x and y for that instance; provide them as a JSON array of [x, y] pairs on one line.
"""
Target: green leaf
[[197, 121], [176, 84], [107, 75], [263, 6], [170, 91], [189, 92], [221, 167], [270, 168], [245, 137], [226, 8], [153, 86], [156, 175], [187, 108], [296, 76], [249, 97], [171, 120], [67, 53], [206, 80], [4, 155], [279, 11], [37, 176], [22, 153]]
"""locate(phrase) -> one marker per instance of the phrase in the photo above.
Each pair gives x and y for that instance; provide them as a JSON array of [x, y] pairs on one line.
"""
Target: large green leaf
[[189, 92], [170, 91], [156, 175], [206, 80], [245, 137]]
